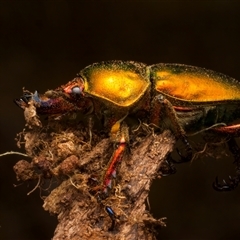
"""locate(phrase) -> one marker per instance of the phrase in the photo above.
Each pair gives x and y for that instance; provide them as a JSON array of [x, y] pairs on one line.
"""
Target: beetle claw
[[224, 186], [167, 168], [112, 215]]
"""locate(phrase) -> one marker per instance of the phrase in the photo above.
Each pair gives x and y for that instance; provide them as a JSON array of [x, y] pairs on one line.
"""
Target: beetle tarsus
[[232, 182], [112, 215], [189, 151], [167, 168], [224, 186], [186, 158]]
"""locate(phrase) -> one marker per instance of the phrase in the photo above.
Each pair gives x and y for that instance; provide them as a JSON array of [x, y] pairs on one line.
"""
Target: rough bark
[[59, 151]]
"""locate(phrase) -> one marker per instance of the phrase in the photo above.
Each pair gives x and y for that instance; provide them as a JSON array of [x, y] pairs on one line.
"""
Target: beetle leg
[[233, 181], [120, 139], [162, 107], [90, 127]]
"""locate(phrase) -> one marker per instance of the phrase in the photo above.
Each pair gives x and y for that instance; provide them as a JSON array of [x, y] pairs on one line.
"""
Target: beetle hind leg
[[233, 181], [188, 149]]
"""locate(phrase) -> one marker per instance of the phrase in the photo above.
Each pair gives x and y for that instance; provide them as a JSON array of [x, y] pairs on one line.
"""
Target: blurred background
[[43, 44]]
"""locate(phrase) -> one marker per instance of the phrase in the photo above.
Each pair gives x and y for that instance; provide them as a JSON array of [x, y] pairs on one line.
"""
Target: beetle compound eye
[[76, 92]]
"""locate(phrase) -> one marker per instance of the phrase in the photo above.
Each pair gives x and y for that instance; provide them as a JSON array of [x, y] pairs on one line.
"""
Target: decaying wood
[[60, 151]]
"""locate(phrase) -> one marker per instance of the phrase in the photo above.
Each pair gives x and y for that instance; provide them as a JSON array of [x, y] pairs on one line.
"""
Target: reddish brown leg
[[120, 139]]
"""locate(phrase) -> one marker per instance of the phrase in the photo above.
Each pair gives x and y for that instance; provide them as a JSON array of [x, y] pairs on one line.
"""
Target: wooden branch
[[83, 217], [60, 151]]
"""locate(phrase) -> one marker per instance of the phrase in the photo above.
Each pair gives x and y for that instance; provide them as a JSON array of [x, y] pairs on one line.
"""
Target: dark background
[[45, 43]]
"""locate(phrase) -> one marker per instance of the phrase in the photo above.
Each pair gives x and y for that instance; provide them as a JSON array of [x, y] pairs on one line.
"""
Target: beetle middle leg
[[162, 108]]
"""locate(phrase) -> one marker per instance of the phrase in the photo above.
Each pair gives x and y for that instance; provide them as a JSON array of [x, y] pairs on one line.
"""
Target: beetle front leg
[[162, 108], [233, 181], [120, 137]]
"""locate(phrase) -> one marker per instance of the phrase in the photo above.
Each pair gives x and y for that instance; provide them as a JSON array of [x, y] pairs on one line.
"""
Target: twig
[[12, 153]]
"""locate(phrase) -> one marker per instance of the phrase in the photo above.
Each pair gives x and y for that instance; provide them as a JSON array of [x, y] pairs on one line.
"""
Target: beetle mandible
[[190, 98]]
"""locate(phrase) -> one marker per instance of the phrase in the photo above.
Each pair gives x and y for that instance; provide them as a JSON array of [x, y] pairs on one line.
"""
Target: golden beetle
[[188, 98]]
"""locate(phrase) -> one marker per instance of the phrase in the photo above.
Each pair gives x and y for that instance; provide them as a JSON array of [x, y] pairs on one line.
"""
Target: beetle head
[[67, 98]]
